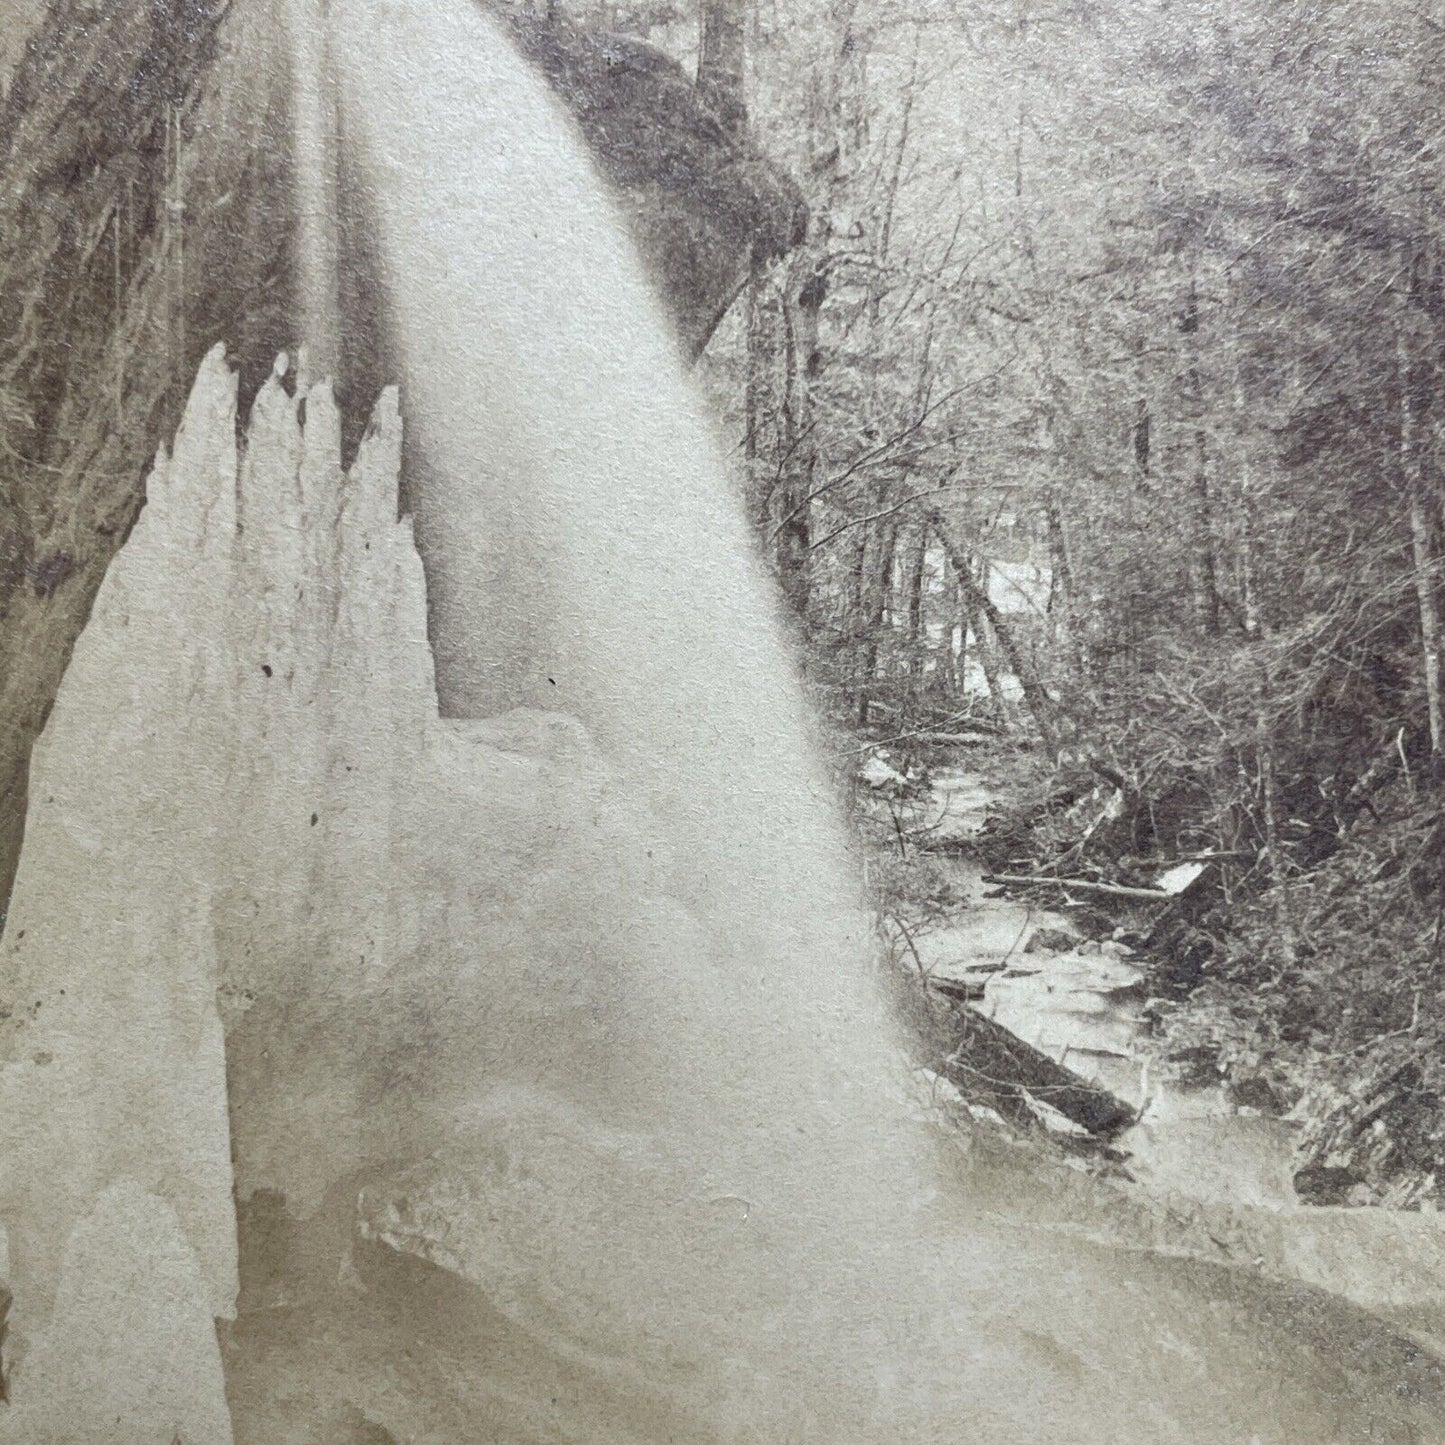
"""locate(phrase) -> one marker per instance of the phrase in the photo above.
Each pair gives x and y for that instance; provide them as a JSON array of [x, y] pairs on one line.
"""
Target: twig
[[1404, 763], [1028, 920], [923, 973], [1084, 885]]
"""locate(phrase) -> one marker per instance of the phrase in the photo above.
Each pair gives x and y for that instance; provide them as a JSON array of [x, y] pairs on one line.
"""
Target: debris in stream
[[1054, 1120], [988, 1064], [1298, 982], [1050, 940], [1008, 1038], [1081, 885], [965, 990], [924, 903]]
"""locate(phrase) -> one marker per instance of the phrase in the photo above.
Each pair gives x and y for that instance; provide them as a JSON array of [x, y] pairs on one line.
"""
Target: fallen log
[[971, 738], [1084, 885], [1218, 855], [965, 990], [990, 1065]]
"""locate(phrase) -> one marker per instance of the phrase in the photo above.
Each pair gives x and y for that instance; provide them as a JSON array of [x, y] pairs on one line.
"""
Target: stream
[[1083, 1007], [1194, 1155]]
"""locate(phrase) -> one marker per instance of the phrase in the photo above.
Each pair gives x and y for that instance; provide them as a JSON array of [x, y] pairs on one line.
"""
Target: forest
[[1099, 411]]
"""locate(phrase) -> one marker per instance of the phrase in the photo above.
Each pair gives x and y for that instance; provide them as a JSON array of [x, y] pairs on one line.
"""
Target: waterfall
[[555, 1100], [587, 554]]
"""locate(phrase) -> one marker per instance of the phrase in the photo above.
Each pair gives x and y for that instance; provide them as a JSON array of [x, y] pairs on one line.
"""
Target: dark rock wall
[[699, 195], [102, 320]]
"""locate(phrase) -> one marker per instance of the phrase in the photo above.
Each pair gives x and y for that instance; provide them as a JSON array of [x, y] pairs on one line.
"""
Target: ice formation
[[423, 939]]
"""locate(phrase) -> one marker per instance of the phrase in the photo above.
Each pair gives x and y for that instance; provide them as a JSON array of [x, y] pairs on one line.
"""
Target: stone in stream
[[1051, 940], [1326, 1184]]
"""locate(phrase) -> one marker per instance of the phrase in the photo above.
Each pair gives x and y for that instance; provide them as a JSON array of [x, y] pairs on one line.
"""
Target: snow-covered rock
[[878, 772], [130, 1357]]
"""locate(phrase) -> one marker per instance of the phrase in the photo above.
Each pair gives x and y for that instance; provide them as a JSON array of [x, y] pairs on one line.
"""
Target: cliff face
[[147, 212], [698, 194], [121, 253]]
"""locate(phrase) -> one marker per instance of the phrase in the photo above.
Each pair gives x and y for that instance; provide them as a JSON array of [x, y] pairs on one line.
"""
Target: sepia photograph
[[721, 722]]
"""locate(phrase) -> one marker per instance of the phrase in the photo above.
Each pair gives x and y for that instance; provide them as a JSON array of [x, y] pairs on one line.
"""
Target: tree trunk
[[883, 239], [1203, 575], [960, 658], [722, 59], [986, 1062], [1422, 548], [876, 608], [794, 530], [987, 641], [1037, 701], [1063, 593], [1205, 580], [917, 572], [759, 363], [1429, 613], [854, 634]]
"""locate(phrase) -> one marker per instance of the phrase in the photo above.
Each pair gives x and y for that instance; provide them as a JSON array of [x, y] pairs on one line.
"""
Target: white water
[[584, 553], [573, 1008]]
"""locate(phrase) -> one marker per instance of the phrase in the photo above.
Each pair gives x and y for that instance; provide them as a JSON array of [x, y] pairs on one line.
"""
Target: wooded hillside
[[1103, 400]]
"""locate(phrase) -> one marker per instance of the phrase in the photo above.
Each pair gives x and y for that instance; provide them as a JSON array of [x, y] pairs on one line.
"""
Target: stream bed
[[1218, 1174], [1083, 1006]]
